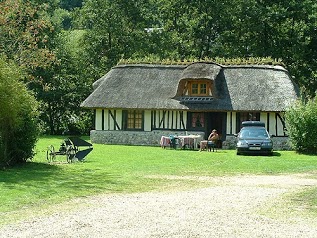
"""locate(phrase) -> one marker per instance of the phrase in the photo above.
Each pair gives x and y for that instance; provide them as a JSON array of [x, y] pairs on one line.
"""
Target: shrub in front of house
[[301, 125], [18, 117]]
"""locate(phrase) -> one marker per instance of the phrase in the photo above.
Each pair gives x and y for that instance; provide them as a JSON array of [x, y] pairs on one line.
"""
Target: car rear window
[[253, 132]]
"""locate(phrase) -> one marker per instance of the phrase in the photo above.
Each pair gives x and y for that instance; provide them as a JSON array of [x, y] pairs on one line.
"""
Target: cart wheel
[[70, 153], [50, 154]]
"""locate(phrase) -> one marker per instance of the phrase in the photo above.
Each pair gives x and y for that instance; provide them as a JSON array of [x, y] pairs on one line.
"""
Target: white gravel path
[[233, 207]]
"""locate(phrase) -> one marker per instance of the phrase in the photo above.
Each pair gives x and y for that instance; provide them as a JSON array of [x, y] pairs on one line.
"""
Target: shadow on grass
[[275, 154], [67, 178], [28, 171], [278, 154], [314, 153]]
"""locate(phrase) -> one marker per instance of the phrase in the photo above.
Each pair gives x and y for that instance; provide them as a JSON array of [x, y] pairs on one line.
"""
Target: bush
[[302, 127], [18, 117], [25, 135]]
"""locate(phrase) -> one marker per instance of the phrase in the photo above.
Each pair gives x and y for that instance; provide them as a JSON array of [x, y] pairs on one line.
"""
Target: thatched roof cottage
[[137, 104]]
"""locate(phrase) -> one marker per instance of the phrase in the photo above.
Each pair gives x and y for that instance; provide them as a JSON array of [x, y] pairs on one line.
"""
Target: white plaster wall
[[106, 120], [147, 120], [234, 122], [280, 130], [98, 119], [263, 118], [272, 124], [119, 118], [171, 122], [229, 130]]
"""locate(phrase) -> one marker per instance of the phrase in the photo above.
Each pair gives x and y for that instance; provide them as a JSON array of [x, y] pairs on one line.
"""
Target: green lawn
[[126, 169]]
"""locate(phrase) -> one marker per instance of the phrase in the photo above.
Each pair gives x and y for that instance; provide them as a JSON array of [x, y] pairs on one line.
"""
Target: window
[[246, 116], [134, 119], [197, 120], [203, 89], [194, 88], [199, 89]]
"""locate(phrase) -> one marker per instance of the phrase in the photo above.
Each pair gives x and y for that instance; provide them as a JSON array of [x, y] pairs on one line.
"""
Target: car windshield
[[253, 132]]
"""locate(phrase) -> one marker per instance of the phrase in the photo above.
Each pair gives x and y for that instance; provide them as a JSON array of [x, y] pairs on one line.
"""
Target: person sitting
[[212, 140]]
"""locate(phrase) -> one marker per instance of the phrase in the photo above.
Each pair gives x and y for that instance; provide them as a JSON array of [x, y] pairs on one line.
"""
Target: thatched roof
[[201, 71], [239, 88]]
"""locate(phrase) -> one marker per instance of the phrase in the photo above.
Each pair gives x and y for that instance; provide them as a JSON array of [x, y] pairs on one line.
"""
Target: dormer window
[[198, 84], [199, 88]]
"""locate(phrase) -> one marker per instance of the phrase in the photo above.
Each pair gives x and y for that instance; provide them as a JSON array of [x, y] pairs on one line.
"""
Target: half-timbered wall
[[147, 120], [231, 123], [98, 119], [107, 119], [109, 127], [274, 122], [169, 120]]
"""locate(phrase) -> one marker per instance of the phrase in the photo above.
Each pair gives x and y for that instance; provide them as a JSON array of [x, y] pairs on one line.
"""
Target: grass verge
[[127, 169]]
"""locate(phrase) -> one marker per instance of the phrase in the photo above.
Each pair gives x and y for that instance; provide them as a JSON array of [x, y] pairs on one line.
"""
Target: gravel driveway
[[232, 207]]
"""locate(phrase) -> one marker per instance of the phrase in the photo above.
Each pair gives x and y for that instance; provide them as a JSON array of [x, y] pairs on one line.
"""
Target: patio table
[[190, 140], [165, 141]]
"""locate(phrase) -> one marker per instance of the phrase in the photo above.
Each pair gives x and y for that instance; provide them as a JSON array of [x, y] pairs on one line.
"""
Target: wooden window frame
[[133, 120], [200, 84], [192, 121]]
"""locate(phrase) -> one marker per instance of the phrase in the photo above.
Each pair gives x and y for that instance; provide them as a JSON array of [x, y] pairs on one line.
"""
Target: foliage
[[65, 90], [113, 29], [18, 117], [25, 34], [66, 45], [33, 37], [152, 59], [70, 4], [251, 28], [128, 169], [182, 30], [301, 125]]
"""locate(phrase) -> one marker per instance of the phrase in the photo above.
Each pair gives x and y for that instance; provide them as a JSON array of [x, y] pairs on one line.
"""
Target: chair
[[203, 145], [211, 144], [174, 141]]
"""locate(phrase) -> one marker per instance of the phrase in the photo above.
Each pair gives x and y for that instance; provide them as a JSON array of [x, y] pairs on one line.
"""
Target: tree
[[113, 29], [246, 28], [66, 89], [195, 27], [32, 35], [70, 4], [18, 117], [25, 34]]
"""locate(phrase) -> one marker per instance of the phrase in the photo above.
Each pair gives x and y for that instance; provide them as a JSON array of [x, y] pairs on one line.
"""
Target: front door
[[216, 120], [207, 121]]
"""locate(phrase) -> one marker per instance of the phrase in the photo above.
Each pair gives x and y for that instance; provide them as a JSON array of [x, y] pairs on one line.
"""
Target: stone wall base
[[150, 138], [153, 138], [279, 143]]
